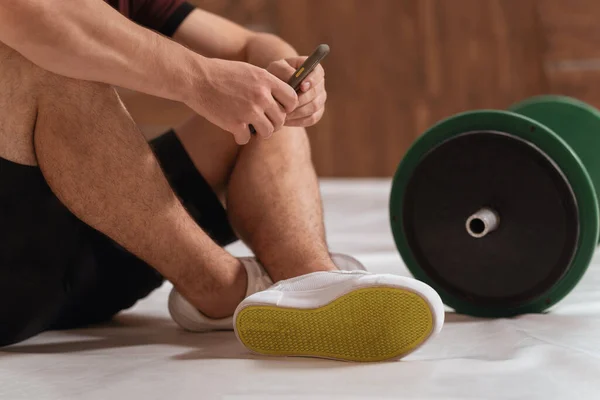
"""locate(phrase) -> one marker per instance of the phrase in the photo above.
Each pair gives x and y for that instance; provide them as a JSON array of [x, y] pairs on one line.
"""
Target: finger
[[296, 62], [311, 95], [307, 121], [276, 115], [313, 79], [285, 95], [309, 109], [264, 127], [282, 70], [242, 135]]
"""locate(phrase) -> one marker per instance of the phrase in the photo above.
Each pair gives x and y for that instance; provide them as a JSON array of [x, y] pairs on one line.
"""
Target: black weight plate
[[537, 237]]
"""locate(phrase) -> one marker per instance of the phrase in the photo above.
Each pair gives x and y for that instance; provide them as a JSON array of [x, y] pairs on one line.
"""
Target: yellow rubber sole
[[366, 325]]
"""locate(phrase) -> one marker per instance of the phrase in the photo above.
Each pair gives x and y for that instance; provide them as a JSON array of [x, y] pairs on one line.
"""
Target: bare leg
[[100, 166], [272, 194], [19, 84]]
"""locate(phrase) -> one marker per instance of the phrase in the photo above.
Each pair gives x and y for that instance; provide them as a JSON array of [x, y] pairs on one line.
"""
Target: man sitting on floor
[[95, 217]]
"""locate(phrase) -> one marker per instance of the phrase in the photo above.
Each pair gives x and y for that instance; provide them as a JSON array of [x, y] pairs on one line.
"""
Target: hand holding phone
[[304, 70]]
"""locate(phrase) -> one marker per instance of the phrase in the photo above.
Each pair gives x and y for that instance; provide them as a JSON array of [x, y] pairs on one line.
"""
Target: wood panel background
[[398, 66]]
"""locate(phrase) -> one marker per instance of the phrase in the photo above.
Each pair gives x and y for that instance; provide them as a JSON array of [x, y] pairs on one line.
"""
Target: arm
[[88, 40], [214, 36]]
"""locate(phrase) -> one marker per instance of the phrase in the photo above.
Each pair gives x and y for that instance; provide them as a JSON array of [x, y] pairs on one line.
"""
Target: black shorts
[[58, 273]]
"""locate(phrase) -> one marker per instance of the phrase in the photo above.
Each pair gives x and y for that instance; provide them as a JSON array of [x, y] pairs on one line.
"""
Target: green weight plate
[[576, 122], [554, 148]]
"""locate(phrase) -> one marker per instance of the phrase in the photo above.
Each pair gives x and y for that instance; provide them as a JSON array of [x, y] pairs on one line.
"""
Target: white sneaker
[[352, 316], [189, 318]]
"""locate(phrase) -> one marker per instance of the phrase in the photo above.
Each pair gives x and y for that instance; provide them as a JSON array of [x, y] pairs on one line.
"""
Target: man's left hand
[[311, 96]]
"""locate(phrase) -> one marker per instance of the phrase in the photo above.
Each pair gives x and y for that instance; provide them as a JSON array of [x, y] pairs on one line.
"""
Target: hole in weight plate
[[477, 226]]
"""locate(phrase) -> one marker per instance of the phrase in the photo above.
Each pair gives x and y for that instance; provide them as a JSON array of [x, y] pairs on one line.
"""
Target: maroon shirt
[[163, 16]]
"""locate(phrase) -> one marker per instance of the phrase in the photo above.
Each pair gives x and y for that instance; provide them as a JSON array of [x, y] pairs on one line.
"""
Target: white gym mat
[[143, 355]]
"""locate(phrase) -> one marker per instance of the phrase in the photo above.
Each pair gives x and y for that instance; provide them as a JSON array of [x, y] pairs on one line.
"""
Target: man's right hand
[[233, 95]]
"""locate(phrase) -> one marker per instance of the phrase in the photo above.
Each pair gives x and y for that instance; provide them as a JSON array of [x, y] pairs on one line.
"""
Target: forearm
[[214, 36], [88, 40], [262, 49]]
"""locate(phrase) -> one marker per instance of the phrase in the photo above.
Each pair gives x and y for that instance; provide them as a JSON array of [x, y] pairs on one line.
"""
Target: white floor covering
[[143, 355]]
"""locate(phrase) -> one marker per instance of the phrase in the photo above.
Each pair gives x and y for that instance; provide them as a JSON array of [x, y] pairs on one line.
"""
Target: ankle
[[292, 267], [225, 292], [321, 264], [224, 303]]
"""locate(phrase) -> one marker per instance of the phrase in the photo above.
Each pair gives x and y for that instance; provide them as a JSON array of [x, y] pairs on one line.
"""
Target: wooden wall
[[397, 66]]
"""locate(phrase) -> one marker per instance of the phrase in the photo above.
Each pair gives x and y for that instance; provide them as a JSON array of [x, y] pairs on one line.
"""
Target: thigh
[[197, 194]]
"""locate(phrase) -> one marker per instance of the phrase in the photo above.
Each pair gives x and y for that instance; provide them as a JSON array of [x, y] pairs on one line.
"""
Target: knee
[[65, 94], [296, 148], [18, 106], [291, 144], [299, 141]]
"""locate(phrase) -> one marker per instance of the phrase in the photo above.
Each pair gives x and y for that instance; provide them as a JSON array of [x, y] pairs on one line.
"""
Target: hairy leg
[[19, 84], [271, 192], [99, 165]]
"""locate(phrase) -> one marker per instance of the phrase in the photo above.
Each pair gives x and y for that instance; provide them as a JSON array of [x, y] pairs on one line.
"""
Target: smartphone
[[308, 66], [305, 69]]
